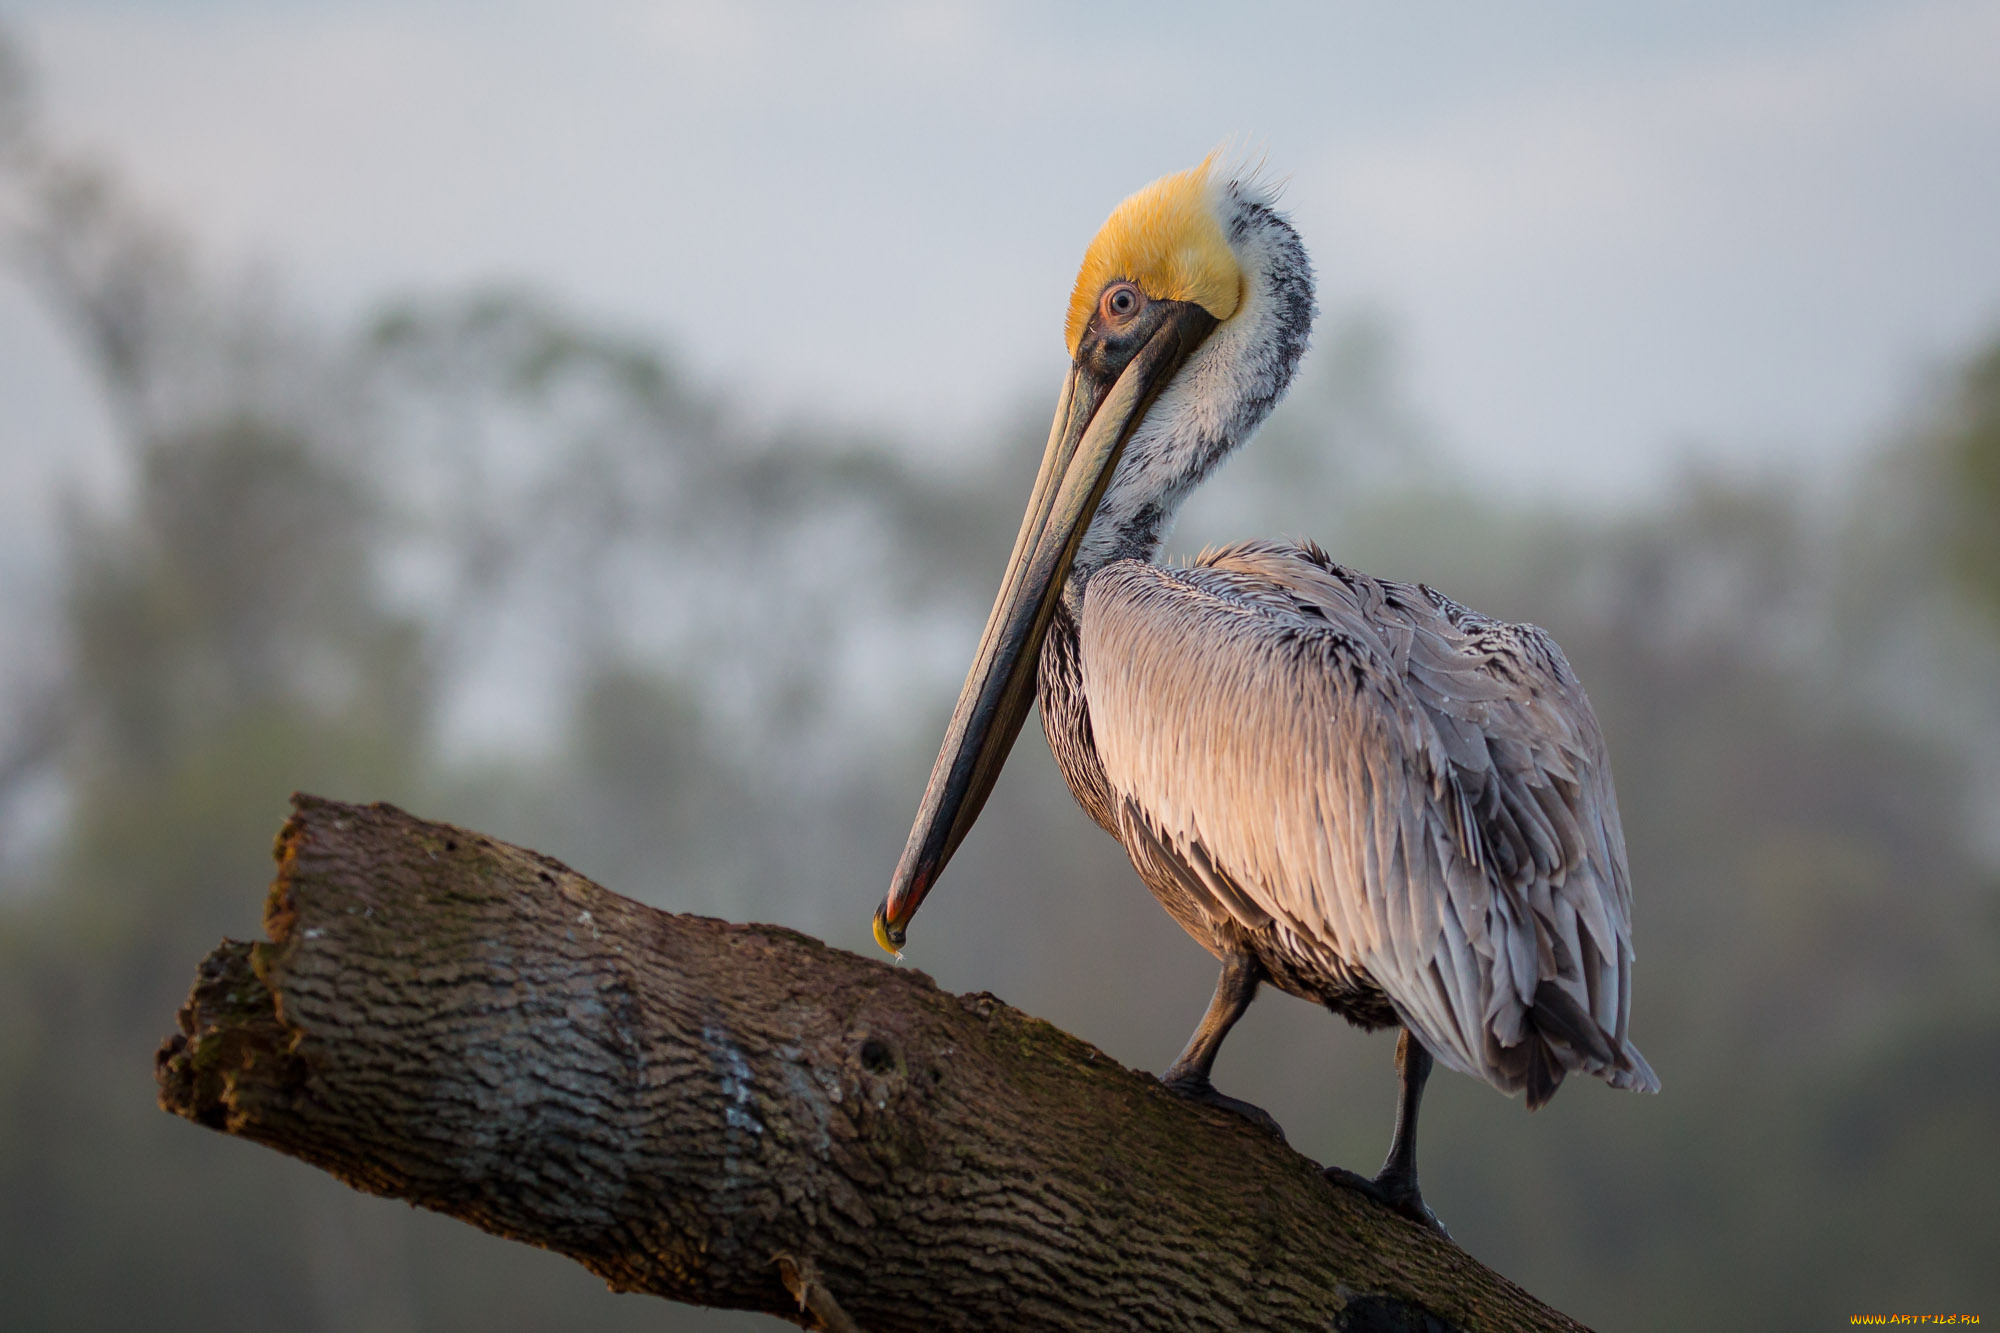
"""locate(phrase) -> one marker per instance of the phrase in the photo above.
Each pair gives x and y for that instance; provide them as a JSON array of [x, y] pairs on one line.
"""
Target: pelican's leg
[[1398, 1177], [1396, 1184], [1241, 975]]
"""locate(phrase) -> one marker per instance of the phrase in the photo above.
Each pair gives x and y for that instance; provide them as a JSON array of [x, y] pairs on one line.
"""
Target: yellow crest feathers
[[1167, 239]]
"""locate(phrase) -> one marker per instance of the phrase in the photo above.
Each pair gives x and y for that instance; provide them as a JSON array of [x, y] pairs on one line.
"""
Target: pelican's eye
[[1121, 301]]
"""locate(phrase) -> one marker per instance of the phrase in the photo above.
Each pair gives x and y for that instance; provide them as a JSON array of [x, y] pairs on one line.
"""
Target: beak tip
[[888, 936]]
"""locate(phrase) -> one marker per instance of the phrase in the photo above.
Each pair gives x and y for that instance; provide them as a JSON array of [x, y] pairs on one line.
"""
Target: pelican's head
[[1188, 317]]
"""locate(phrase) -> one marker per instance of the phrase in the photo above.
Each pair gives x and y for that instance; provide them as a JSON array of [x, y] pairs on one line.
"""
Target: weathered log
[[741, 1116]]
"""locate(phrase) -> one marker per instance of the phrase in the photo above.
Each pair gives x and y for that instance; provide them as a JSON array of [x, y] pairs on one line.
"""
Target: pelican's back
[[1398, 786]]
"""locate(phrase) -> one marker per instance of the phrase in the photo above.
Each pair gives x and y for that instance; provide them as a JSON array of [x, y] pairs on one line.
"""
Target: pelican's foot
[[1399, 1192], [1197, 1088]]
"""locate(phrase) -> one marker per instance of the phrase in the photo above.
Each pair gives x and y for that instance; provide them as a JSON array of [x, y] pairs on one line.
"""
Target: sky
[[1608, 236]]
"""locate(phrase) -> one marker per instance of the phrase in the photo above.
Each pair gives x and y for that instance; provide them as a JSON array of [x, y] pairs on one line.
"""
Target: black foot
[[1195, 1088], [1399, 1193]]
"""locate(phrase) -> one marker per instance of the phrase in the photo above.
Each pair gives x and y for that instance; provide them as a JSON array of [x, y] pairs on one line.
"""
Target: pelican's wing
[[1397, 783]]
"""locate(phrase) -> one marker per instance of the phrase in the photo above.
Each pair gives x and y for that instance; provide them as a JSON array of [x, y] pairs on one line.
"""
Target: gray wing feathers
[[1395, 782]]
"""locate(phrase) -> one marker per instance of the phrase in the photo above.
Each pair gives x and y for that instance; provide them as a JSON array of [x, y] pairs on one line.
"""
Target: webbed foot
[[1398, 1192], [1196, 1088]]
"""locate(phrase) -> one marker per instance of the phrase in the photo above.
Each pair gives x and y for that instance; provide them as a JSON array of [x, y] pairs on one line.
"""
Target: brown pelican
[[1355, 790]]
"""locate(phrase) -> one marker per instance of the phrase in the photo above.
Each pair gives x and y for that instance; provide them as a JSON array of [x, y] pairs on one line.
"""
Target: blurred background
[[604, 425]]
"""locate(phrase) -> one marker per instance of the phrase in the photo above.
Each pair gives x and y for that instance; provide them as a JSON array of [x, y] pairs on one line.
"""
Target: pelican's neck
[[1220, 396]]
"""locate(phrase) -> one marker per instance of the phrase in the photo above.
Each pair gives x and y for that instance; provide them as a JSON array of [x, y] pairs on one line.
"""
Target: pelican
[[1355, 790]]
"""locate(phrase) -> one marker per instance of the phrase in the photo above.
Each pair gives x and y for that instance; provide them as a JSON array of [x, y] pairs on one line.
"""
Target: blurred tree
[[229, 634], [1968, 442]]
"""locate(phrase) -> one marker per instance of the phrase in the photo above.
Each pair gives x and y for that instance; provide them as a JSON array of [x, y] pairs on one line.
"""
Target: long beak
[[1096, 416]]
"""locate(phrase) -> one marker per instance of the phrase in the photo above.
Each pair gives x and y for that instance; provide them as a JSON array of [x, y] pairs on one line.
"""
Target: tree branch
[[740, 1116]]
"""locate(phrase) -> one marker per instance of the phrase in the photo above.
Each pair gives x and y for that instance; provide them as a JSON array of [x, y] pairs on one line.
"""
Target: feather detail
[[1405, 806]]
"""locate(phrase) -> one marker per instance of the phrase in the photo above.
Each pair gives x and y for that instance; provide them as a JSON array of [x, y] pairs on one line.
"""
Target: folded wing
[[1400, 785]]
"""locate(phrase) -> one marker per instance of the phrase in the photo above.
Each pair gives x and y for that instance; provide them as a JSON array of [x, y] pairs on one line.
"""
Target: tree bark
[[741, 1116]]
